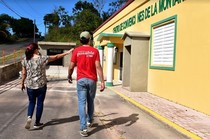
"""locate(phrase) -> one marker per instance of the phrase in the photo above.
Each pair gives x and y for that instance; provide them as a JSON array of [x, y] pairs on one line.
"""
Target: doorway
[[58, 62]]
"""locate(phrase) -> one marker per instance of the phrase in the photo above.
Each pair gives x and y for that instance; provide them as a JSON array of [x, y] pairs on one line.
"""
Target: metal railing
[[14, 57]]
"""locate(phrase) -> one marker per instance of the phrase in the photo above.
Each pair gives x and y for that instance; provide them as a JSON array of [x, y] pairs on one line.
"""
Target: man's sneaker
[[89, 124], [28, 123], [84, 133], [38, 125]]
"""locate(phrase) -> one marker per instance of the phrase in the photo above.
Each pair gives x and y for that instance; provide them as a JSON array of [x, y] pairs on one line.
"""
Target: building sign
[[146, 13]]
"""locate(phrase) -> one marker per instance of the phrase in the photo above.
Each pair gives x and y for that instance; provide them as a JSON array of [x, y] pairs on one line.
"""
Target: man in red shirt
[[87, 60]]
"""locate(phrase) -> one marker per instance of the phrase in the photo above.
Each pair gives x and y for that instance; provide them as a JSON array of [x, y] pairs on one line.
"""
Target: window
[[163, 44]]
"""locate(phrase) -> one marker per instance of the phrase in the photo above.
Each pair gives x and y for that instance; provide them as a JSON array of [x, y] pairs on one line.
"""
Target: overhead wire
[[7, 6], [20, 6], [39, 24]]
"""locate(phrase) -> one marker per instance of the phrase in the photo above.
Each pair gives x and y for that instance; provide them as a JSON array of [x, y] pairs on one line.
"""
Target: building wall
[[188, 83], [44, 46]]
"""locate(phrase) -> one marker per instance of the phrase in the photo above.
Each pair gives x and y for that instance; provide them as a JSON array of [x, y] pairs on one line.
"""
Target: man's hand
[[69, 79], [102, 87]]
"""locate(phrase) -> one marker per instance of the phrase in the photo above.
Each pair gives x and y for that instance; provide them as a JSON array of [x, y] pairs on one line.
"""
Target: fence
[[14, 57]]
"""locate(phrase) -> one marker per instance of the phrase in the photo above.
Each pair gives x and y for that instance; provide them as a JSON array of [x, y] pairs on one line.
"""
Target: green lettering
[[124, 25], [118, 28], [134, 19], [140, 16], [161, 5], [176, 2], [148, 12], [154, 9], [114, 30], [130, 21], [168, 3]]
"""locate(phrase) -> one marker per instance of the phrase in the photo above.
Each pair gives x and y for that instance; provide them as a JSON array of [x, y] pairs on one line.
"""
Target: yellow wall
[[189, 83]]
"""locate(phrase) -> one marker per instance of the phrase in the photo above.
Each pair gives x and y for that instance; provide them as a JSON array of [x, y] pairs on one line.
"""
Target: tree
[[99, 5], [5, 27], [85, 17], [23, 27], [51, 19], [59, 18], [80, 6], [65, 19], [114, 6], [5, 21], [86, 20]]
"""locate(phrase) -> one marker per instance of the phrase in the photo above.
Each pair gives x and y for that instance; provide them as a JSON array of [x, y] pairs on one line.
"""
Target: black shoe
[[38, 125]]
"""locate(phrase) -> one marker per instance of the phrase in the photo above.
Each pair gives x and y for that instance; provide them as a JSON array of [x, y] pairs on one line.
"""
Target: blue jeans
[[86, 91], [36, 95]]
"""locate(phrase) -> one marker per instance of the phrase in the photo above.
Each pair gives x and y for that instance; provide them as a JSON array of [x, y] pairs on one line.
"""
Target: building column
[[101, 53], [109, 81]]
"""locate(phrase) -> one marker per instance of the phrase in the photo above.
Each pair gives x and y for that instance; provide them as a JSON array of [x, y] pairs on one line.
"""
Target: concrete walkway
[[192, 123]]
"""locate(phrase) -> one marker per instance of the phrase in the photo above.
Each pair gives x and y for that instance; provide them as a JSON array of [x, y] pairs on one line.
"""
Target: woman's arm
[[23, 78], [58, 56]]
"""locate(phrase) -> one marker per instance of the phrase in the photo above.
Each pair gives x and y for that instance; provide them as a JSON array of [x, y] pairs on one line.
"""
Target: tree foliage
[[22, 27], [80, 6], [85, 17], [61, 26], [51, 19], [99, 5], [65, 19], [4, 27], [114, 6]]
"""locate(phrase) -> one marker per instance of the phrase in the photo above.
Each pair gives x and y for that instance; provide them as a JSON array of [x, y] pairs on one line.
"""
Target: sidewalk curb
[[158, 116]]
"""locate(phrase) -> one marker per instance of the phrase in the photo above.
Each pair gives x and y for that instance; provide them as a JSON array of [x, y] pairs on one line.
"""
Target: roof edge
[[108, 34], [56, 43], [135, 34]]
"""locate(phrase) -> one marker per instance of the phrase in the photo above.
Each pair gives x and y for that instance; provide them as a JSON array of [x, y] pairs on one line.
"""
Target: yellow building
[[161, 47]]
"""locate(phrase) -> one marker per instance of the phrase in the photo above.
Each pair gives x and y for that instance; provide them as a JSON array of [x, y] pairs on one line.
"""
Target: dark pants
[[36, 96]]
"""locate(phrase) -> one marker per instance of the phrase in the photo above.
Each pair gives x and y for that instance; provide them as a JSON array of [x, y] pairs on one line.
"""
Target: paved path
[[114, 117], [190, 122]]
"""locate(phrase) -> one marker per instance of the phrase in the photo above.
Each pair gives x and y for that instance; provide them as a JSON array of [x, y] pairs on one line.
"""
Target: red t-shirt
[[85, 58]]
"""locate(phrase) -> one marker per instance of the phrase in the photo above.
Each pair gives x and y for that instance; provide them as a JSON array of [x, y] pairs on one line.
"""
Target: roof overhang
[[108, 36], [131, 34], [42, 43]]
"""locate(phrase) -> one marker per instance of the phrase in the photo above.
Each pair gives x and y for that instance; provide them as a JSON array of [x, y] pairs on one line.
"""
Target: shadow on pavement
[[61, 121], [57, 122], [112, 122]]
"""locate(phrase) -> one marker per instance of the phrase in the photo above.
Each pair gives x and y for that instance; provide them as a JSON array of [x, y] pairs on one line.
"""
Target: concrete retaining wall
[[10, 71]]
